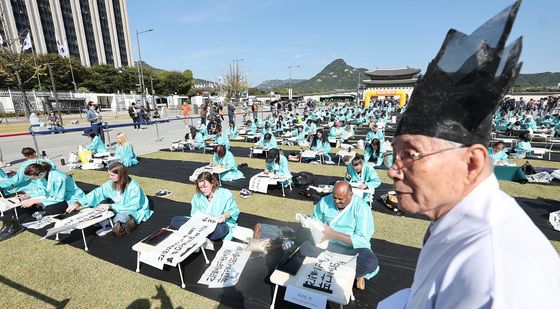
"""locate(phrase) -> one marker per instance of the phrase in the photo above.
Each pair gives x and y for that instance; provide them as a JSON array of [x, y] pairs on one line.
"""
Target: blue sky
[[205, 36]]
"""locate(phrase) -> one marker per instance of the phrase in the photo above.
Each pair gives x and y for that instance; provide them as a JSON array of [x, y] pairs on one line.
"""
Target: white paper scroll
[[329, 274], [179, 245], [261, 181], [227, 266], [316, 228], [309, 154], [207, 168], [68, 224], [39, 224]]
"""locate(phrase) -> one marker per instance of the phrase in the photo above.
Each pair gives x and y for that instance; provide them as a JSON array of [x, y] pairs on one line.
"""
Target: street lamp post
[[141, 77], [290, 89]]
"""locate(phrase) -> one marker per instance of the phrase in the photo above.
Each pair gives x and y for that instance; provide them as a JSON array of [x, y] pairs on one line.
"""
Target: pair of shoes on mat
[[103, 231], [163, 193], [244, 193]]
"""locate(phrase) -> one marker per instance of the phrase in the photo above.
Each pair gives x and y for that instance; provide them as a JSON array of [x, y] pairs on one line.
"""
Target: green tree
[[62, 73]]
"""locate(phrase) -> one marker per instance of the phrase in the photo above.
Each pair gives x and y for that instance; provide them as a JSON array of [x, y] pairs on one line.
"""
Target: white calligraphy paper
[[39, 224], [177, 247], [68, 224], [330, 274], [227, 266], [207, 168]]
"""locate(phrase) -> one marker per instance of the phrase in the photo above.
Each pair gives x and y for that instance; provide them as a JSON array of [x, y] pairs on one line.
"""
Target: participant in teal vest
[[349, 226], [127, 196], [19, 181], [5, 183], [225, 158], [53, 189], [321, 144], [252, 128], [498, 153], [268, 141], [97, 145], [214, 201], [125, 151], [348, 132], [362, 175], [374, 133], [277, 163], [203, 129], [336, 131], [233, 132], [310, 128], [221, 137], [374, 151], [523, 146]]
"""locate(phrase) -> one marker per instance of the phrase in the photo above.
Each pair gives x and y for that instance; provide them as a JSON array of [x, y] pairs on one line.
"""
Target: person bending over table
[[522, 147], [374, 152], [195, 139], [215, 201], [130, 204], [19, 181], [125, 151], [96, 145], [53, 191], [233, 132], [221, 137], [321, 144], [498, 154], [362, 175], [268, 141], [224, 158], [277, 163], [349, 226]]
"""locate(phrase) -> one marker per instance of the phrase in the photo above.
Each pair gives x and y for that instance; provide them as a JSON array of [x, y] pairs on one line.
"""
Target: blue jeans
[[366, 261], [120, 217], [222, 229]]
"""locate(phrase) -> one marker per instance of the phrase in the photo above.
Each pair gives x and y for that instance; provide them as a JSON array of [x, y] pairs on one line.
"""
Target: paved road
[[57, 146]]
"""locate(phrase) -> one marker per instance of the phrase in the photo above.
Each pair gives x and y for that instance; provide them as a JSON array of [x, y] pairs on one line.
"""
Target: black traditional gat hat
[[464, 83]]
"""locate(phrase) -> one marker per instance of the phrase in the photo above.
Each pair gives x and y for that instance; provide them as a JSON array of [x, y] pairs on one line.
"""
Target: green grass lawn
[[41, 274]]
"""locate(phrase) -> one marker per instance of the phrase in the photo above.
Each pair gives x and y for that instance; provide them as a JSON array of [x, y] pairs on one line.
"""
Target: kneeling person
[[130, 203], [349, 227], [215, 201]]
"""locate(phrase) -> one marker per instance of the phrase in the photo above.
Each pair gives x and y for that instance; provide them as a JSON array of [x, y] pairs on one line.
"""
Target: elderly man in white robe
[[481, 249]]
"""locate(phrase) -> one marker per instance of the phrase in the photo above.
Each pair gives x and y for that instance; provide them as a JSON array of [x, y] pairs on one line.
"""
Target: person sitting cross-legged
[[215, 201], [349, 226], [225, 158], [130, 203]]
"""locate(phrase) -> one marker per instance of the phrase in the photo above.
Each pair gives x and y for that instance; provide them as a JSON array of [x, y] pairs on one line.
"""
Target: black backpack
[[303, 179]]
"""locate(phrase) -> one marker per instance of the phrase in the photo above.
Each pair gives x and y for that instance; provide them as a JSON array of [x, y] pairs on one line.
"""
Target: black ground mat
[[538, 210], [179, 171], [254, 289]]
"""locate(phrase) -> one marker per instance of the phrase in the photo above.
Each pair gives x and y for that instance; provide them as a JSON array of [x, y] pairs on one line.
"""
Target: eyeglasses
[[405, 159]]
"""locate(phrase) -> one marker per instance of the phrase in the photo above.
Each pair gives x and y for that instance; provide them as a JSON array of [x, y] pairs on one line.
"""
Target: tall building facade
[[95, 31]]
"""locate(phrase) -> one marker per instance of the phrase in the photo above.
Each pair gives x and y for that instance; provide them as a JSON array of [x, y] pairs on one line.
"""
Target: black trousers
[[98, 128], [135, 121]]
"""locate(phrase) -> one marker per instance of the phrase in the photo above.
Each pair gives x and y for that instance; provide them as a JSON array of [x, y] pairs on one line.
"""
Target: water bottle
[[38, 215]]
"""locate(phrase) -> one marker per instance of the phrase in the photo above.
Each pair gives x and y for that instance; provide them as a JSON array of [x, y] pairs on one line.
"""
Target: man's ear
[[477, 161]]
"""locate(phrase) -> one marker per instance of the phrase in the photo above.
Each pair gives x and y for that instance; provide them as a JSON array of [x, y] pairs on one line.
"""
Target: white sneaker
[[104, 231]]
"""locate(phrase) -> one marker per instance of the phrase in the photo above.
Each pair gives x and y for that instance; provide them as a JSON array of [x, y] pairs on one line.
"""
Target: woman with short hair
[[215, 201], [97, 145]]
